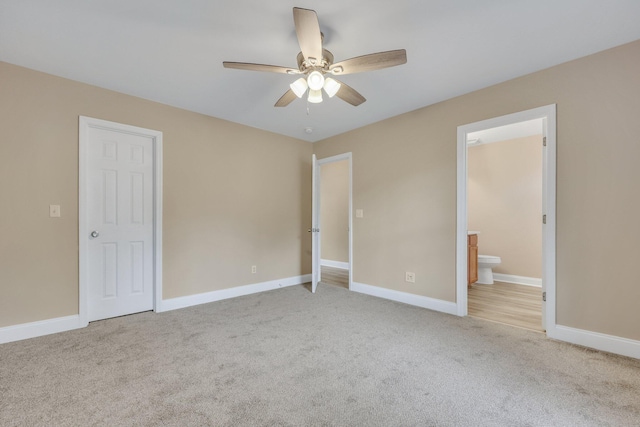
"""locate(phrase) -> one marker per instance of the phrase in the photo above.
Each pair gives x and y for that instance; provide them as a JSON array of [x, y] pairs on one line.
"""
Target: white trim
[[84, 124], [62, 324], [604, 342], [518, 280], [549, 208], [334, 264], [548, 114], [462, 231], [407, 298], [505, 133], [207, 297], [157, 231], [316, 271], [337, 158], [37, 329]]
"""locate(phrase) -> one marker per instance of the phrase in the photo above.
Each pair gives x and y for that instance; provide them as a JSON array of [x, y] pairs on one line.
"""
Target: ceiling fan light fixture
[[315, 80], [331, 86], [315, 96], [299, 87], [316, 65]]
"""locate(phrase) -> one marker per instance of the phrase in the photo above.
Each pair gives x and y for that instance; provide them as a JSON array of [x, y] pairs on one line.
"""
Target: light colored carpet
[[292, 358]]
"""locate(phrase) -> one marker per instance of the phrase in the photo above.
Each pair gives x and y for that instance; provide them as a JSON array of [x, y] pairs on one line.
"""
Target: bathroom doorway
[[504, 207], [506, 199], [333, 209]]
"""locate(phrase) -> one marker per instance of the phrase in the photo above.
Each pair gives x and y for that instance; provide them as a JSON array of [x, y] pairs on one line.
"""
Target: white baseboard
[[334, 264], [519, 280], [404, 297], [37, 329], [604, 342], [610, 343], [197, 299], [67, 323]]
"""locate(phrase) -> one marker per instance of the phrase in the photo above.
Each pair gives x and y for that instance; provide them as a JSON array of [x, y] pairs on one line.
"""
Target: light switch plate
[[54, 211], [359, 213]]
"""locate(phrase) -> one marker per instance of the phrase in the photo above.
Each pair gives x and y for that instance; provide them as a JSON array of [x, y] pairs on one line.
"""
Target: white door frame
[[86, 123], [316, 206], [315, 230], [548, 115]]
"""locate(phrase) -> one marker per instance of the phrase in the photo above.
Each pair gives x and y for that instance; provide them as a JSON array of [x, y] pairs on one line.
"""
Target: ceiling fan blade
[[350, 95], [286, 99], [373, 61], [308, 32], [259, 67]]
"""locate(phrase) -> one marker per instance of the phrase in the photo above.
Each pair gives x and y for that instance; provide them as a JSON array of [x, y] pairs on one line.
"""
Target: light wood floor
[[516, 305], [508, 303], [334, 276]]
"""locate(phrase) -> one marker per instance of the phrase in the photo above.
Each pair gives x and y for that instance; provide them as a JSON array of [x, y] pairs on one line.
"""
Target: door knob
[[94, 234]]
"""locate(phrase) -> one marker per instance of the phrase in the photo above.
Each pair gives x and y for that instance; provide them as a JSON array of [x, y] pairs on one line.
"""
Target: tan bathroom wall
[[234, 196], [404, 178], [505, 203], [334, 211]]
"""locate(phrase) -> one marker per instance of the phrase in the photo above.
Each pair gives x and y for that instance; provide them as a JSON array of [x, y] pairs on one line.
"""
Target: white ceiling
[[171, 51]]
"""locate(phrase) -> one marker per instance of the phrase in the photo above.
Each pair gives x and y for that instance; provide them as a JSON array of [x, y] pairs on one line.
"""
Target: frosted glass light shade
[[315, 80], [315, 96], [331, 86], [299, 87]]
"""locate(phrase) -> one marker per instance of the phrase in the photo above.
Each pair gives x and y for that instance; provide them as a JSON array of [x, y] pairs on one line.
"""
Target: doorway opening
[[506, 199], [332, 201], [504, 211]]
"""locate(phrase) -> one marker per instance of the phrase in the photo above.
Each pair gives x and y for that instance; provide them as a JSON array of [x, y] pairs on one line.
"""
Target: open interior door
[[545, 189], [315, 230]]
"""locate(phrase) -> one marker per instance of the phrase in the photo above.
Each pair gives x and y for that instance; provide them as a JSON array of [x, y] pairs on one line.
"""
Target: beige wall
[[505, 203], [234, 196], [218, 219], [334, 211], [404, 177]]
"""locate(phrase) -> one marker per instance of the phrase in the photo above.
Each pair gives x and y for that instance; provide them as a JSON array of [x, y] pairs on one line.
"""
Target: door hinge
[[544, 296], [544, 219], [544, 141]]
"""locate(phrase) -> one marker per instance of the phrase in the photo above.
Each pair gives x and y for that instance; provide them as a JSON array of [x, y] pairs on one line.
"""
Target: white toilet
[[486, 263]]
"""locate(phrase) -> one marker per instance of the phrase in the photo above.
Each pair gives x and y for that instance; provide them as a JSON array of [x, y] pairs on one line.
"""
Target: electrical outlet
[[254, 269], [54, 211], [410, 277]]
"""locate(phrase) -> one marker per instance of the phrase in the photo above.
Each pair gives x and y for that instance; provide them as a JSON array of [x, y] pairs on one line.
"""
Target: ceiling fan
[[316, 65]]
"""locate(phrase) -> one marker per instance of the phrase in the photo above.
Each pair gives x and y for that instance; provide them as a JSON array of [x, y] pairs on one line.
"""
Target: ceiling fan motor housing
[[306, 66]]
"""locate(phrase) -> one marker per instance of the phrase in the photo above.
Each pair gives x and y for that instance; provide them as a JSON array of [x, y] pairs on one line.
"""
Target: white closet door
[[120, 222]]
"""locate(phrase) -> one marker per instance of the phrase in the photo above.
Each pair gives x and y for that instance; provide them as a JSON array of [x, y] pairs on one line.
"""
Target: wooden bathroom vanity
[[472, 258]]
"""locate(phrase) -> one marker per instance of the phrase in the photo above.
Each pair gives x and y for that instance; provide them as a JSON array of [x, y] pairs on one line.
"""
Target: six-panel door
[[120, 219]]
